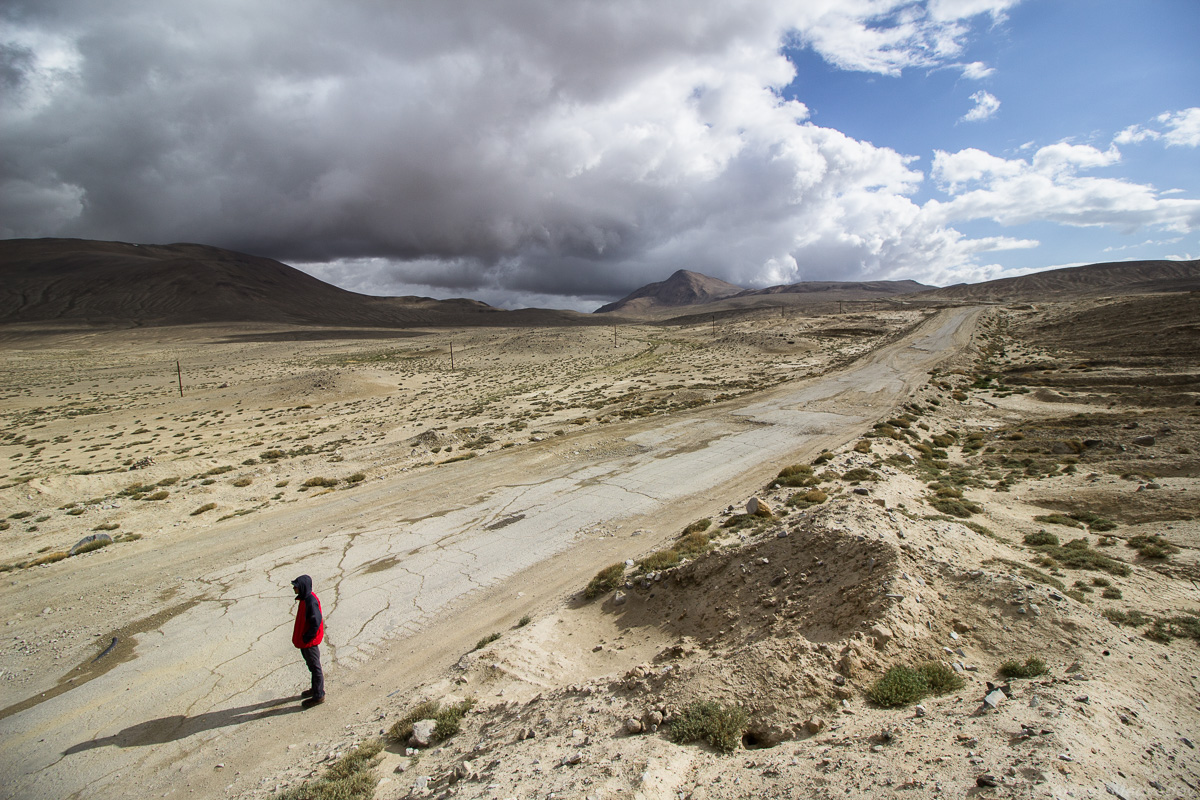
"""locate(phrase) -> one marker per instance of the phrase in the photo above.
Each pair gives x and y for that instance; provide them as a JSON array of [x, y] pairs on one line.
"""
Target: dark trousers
[[312, 657]]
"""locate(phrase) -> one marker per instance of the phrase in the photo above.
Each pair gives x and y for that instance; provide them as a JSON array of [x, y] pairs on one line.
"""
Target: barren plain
[[970, 486]]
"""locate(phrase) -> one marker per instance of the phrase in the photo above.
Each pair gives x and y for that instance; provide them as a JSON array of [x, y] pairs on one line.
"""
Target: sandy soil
[[607, 451]]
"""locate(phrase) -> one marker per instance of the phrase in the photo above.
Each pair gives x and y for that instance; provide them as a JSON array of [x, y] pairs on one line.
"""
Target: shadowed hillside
[[74, 280]]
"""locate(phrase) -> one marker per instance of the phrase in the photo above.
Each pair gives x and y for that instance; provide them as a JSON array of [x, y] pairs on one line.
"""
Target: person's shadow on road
[[174, 728]]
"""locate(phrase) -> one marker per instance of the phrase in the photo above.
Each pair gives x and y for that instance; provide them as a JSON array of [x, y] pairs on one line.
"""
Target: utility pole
[[452, 356], [179, 375]]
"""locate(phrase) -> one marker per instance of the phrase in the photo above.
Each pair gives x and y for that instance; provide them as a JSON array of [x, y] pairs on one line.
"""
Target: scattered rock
[[757, 507], [1143, 441], [619, 599], [95, 537], [633, 726], [994, 698], [814, 725], [422, 735], [987, 780]]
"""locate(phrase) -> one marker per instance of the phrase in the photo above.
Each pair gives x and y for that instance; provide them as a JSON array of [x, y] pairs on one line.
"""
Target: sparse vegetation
[[605, 581], [245, 480], [1030, 668], [1111, 593], [1152, 547], [95, 544], [319, 481], [523, 621], [203, 508], [807, 499], [162, 494], [720, 726], [351, 777], [1076, 554], [485, 641]]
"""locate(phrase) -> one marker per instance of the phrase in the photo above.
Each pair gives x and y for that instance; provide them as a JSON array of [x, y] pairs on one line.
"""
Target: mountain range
[[82, 281]]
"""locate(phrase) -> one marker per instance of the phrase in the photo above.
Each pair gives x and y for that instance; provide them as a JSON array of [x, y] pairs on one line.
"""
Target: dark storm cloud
[[539, 148]]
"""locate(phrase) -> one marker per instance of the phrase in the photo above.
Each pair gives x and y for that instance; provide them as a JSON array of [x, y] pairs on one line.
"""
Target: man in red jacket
[[307, 635]]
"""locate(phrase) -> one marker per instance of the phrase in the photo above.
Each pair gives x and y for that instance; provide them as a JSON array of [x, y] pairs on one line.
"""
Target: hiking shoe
[[313, 701], [308, 693]]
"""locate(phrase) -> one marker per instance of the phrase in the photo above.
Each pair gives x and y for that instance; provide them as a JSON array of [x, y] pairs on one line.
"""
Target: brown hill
[[683, 288], [74, 280], [1093, 280], [695, 294]]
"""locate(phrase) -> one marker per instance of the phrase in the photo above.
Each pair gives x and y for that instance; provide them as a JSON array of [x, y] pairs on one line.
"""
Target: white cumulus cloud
[[986, 105]]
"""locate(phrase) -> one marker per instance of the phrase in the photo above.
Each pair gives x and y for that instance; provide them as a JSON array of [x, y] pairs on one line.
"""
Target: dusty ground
[[790, 616]]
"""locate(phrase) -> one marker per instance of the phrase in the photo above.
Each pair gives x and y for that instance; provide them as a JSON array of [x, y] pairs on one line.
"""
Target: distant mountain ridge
[[78, 280], [683, 288], [686, 288], [1091, 280]]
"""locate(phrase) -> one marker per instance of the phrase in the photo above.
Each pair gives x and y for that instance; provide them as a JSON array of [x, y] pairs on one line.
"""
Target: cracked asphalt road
[[409, 571]]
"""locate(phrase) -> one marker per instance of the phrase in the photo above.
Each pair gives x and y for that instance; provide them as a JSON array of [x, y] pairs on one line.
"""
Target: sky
[[562, 154]]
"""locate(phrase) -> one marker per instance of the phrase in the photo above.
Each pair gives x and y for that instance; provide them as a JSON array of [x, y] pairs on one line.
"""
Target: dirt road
[[411, 572]]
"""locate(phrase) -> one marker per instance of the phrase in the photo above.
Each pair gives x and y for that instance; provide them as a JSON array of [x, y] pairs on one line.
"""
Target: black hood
[[303, 585]]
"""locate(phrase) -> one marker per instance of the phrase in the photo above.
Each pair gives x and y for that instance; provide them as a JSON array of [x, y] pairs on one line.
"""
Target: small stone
[[633, 726], [572, 759], [954, 635], [1143, 441], [919, 711], [878, 748], [619, 599], [994, 698], [1037, 612], [986, 780], [814, 725]]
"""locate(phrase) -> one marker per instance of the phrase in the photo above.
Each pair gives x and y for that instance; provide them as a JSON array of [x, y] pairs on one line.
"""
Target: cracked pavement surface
[[409, 571]]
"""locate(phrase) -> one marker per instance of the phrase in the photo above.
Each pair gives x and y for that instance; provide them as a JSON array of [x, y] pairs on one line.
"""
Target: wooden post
[[614, 335], [714, 324], [179, 374], [452, 356]]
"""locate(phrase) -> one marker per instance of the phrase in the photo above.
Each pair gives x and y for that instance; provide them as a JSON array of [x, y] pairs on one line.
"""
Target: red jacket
[[309, 630]]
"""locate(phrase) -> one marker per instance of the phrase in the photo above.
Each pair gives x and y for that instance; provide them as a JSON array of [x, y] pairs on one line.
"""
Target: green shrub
[[161, 494], [449, 720], [940, 678], [245, 480], [107, 526], [319, 481], [168, 482], [272, 455], [955, 508], [1041, 538], [351, 777], [1111, 593], [485, 641], [1076, 554], [860, 474], [795, 475], [203, 508], [720, 726], [403, 729], [1131, 618], [693, 544], [1168, 628], [1031, 668], [899, 686], [1057, 519], [218, 471], [662, 559], [523, 621], [605, 581], [1152, 547], [357, 477], [698, 526], [25, 514], [863, 446], [807, 499], [823, 458]]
